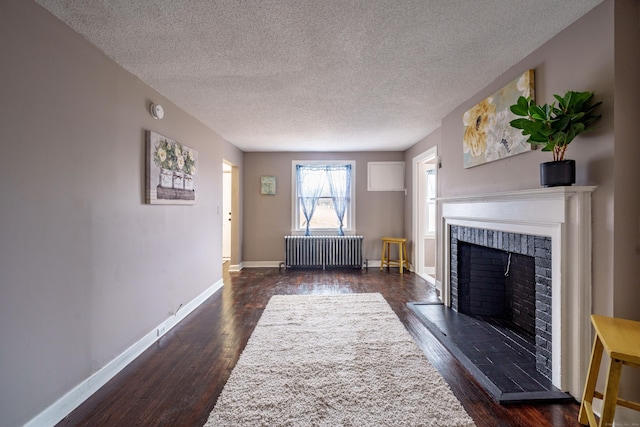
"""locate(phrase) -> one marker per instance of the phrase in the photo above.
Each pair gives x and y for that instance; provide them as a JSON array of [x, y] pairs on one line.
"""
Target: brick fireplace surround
[[559, 215]]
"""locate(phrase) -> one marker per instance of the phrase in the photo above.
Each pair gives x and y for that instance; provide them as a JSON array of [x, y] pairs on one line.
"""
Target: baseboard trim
[[270, 264], [261, 264], [428, 278], [235, 267], [378, 263], [76, 396]]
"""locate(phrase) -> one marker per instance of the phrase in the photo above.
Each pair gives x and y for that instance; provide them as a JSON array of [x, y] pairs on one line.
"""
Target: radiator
[[323, 251]]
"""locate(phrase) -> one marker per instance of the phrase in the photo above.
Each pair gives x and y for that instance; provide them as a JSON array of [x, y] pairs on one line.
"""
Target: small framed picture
[[267, 184]]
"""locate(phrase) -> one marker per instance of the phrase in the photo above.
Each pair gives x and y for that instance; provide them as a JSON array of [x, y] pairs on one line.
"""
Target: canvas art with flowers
[[488, 136], [171, 171]]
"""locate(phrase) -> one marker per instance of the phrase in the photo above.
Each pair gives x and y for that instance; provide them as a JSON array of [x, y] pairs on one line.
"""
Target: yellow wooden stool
[[621, 339], [402, 260]]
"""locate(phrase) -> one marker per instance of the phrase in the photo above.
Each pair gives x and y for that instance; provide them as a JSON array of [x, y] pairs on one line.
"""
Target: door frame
[[235, 261], [227, 209], [418, 213]]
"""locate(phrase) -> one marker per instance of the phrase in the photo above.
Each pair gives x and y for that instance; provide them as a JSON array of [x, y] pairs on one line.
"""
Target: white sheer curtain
[[310, 185], [339, 178]]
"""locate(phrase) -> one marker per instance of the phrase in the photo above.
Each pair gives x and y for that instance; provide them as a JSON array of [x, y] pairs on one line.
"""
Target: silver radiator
[[323, 251]]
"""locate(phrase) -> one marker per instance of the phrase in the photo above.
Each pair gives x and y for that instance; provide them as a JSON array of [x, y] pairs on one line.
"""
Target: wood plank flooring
[[176, 381]]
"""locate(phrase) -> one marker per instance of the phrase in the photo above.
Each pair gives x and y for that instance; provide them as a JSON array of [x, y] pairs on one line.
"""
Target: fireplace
[[505, 278], [550, 225], [497, 285]]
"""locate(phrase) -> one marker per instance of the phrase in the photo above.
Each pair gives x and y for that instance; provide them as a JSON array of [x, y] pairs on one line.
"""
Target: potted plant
[[555, 128]]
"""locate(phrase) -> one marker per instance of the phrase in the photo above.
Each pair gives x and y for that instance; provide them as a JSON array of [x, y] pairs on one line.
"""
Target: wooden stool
[[402, 253], [621, 339]]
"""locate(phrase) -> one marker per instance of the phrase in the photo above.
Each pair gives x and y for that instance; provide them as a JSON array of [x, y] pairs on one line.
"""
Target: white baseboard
[[268, 264], [624, 417], [428, 278], [236, 267], [378, 263], [261, 264], [73, 398]]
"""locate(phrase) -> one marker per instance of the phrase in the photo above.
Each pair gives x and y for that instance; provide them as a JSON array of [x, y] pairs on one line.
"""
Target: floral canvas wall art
[[171, 171], [488, 135]]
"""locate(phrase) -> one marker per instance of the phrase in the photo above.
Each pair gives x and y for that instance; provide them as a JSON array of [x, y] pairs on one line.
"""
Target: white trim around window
[[349, 226]]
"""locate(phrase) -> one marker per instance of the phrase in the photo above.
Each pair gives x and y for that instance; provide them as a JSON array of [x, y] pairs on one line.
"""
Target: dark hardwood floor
[[177, 381]]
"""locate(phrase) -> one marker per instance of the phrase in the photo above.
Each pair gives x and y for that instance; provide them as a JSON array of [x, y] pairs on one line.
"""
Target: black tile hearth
[[503, 361]]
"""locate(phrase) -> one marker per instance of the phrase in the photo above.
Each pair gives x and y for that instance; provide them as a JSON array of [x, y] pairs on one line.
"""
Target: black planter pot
[[554, 174]]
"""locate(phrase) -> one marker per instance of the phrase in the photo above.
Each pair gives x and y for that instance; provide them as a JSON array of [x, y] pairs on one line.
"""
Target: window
[[323, 196]]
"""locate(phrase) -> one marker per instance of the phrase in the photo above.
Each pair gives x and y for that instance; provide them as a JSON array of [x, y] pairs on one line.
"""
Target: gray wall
[[86, 268], [626, 214], [597, 53], [268, 218], [626, 210]]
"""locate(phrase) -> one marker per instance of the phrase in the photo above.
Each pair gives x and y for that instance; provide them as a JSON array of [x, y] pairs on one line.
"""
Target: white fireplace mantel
[[564, 215]]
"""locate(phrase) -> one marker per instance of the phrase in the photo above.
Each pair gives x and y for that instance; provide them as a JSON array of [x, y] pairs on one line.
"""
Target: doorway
[[227, 213], [425, 191]]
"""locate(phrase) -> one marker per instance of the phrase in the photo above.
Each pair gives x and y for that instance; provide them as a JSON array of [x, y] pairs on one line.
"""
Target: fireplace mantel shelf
[[564, 215], [535, 193]]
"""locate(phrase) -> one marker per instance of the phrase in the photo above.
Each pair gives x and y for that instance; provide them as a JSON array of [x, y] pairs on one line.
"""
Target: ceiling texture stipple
[[318, 75]]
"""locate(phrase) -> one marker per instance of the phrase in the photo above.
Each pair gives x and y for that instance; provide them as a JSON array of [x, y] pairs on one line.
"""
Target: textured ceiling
[[318, 75]]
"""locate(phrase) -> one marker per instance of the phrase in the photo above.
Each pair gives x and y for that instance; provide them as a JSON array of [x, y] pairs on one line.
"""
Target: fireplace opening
[[498, 286], [516, 302]]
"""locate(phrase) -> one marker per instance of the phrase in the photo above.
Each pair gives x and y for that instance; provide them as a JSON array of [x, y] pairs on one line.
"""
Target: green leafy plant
[[555, 126]]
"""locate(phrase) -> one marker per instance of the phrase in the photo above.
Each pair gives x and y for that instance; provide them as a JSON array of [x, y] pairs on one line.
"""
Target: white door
[[226, 212]]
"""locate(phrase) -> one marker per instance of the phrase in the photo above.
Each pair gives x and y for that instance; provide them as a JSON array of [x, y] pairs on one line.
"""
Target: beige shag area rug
[[334, 360]]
